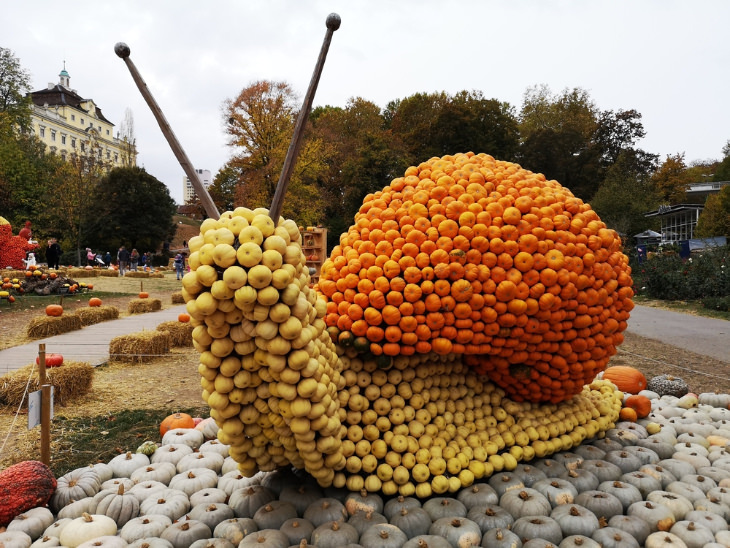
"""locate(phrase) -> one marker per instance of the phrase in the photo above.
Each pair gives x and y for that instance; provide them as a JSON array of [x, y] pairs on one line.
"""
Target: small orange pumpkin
[[640, 404], [94, 301], [184, 318], [176, 420], [54, 310], [626, 378], [627, 414], [143, 295]]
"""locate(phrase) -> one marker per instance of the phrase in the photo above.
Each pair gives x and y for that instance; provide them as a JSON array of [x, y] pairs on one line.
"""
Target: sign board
[[34, 408]]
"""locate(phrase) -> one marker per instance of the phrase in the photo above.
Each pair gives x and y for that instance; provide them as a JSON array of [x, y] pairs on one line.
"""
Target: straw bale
[[109, 273], [157, 274], [136, 274], [82, 273], [181, 334], [177, 298], [48, 326], [11, 273], [69, 381], [139, 347], [140, 306], [95, 314]]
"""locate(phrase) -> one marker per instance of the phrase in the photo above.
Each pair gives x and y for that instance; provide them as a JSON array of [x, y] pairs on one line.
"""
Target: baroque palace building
[[74, 127]]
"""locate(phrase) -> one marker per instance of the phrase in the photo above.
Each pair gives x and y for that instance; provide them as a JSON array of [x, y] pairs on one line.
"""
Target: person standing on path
[[179, 266], [123, 259], [53, 254], [133, 260]]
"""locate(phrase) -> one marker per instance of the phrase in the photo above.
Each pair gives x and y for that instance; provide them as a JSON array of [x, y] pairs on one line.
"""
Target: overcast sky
[[668, 59]]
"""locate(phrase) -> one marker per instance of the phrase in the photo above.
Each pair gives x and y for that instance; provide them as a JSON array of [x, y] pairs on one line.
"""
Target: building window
[[108, 154], [53, 135], [82, 147], [116, 158], [63, 155], [63, 139], [99, 128], [73, 117], [43, 131], [73, 142], [107, 132], [82, 121]]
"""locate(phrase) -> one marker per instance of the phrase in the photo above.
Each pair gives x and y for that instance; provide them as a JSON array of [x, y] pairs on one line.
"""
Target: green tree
[[130, 207], [14, 89], [715, 217], [671, 179], [625, 196], [223, 188]]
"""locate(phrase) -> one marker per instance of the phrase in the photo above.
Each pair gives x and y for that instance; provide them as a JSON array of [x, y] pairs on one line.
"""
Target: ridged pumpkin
[[176, 420], [626, 378], [94, 301], [469, 255], [54, 310], [640, 404]]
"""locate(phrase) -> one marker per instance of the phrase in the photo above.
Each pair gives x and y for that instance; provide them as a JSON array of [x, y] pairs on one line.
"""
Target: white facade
[[205, 177]]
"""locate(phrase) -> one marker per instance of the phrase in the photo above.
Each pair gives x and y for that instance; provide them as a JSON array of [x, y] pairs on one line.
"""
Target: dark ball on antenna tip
[[333, 21], [122, 50]]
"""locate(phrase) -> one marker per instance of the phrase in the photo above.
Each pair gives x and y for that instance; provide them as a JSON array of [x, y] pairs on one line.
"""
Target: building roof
[[669, 210], [62, 96]]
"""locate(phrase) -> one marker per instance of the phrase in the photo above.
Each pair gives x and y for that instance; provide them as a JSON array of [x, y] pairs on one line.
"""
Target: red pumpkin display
[[52, 360]]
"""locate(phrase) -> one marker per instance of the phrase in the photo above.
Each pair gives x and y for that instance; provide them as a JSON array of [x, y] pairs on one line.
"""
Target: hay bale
[[181, 334], [71, 380], [41, 327], [12, 273], [139, 347], [136, 274], [109, 273], [140, 306], [177, 298], [95, 314], [82, 273], [156, 274]]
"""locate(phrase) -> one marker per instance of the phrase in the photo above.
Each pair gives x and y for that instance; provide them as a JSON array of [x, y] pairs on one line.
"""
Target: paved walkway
[[90, 344], [704, 336]]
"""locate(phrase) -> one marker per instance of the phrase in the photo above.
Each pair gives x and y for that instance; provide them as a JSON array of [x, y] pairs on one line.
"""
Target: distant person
[[133, 260], [53, 253], [148, 261], [90, 257], [123, 260], [179, 265], [107, 259]]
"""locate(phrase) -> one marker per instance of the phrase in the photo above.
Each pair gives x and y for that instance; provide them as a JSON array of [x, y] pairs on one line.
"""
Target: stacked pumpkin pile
[[482, 258], [429, 421]]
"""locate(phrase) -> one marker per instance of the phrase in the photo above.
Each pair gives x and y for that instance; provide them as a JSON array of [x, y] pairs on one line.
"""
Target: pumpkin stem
[[384, 534], [499, 534], [87, 517], [574, 511], [120, 491], [335, 525], [456, 522], [185, 526]]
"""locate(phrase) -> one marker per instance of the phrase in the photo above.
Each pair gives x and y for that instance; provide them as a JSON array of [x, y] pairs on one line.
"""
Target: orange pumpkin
[[54, 310], [52, 360], [176, 420], [94, 301], [640, 404], [626, 378], [143, 295], [627, 414], [184, 318]]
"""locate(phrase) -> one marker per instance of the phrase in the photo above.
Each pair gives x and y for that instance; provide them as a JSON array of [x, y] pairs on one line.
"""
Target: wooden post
[[45, 407], [277, 203], [122, 50]]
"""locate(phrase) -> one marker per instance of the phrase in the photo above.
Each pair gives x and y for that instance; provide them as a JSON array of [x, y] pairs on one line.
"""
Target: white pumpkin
[[87, 527]]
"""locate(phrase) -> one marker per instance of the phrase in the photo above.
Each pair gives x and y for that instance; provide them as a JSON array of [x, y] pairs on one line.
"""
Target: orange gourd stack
[[469, 255]]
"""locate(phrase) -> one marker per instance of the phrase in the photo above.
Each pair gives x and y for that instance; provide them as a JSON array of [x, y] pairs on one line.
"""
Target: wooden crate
[[314, 247]]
